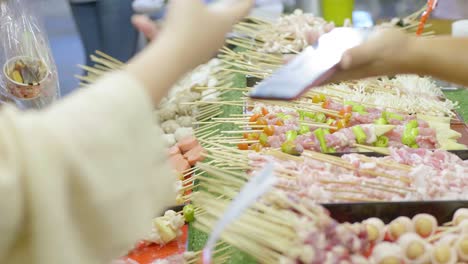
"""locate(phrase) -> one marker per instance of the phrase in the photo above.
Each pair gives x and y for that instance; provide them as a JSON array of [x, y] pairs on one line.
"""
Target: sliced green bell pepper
[[382, 141], [291, 135], [189, 213], [289, 147], [381, 121], [361, 136], [320, 135]]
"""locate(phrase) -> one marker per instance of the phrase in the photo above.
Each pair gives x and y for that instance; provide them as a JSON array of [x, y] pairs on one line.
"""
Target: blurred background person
[[105, 25]]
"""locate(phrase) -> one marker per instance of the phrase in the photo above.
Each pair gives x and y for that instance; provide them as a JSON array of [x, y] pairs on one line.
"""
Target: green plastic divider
[[197, 238], [461, 96]]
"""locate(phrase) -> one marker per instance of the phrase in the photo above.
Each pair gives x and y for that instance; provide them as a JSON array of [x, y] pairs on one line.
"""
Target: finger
[[234, 10], [357, 56], [288, 58], [361, 72], [146, 26], [362, 54], [312, 36]]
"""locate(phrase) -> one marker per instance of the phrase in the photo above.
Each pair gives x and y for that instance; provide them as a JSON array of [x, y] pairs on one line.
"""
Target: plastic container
[[337, 11], [460, 28], [29, 74]]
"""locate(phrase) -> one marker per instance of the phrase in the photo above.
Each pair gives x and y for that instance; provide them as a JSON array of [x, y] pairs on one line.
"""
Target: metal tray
[[387, 211], [457, 124], [463, 154]]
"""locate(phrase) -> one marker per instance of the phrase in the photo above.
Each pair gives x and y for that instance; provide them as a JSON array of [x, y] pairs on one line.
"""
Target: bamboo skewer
[[342, 163]]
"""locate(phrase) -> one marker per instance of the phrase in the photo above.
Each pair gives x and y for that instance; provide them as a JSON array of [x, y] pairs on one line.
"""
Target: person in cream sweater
[[81, 181]]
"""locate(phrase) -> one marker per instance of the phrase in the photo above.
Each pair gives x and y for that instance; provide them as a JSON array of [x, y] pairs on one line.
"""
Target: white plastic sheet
[[29, 74]]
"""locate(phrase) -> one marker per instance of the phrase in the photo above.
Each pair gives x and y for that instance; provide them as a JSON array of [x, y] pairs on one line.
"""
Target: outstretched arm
[[390, 52]]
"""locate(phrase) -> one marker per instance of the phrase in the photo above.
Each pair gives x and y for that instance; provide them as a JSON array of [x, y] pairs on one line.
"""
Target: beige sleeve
[[80, 182]]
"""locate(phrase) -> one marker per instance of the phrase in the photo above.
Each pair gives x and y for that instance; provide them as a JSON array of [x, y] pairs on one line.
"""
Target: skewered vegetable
[[189, 213], [360, 135]]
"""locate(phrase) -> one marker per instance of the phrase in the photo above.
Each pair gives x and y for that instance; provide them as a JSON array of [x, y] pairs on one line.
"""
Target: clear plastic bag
[[29, 74]]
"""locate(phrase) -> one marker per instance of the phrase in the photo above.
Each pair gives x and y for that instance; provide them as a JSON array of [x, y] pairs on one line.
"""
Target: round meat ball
[[169, 139], [185, 121], [185, 109], [195, 112], [167, 112], [183, 132], [163, 101], [195, 96], [169, 126]]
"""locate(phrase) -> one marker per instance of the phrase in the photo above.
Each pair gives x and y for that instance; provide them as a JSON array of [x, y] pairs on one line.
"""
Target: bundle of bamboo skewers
[[277, 221]]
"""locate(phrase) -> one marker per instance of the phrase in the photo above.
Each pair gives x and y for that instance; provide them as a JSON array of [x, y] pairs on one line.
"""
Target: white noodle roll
[[443, 253], [170, 126], [425, 225], [462, 247], [185, 121], [415, 249], [460, 215], [387, 253], [183, 132], [399, 226], [169, 139], [167, 111], [375, 228]]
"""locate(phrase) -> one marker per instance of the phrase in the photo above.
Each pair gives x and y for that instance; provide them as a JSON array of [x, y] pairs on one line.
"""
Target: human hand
[[198, 29], [386, 52], [146, 26]]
